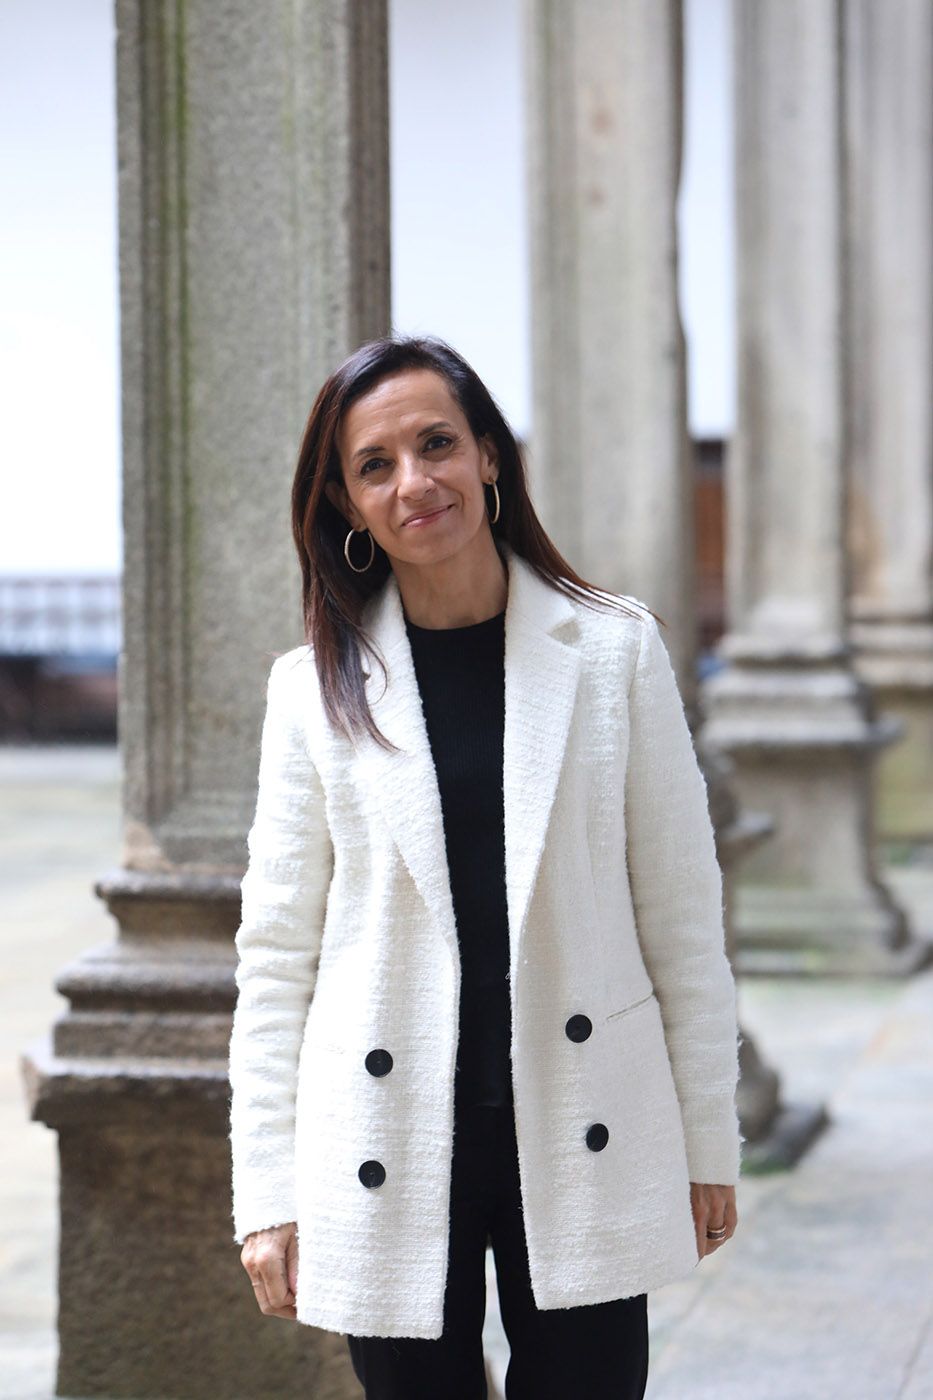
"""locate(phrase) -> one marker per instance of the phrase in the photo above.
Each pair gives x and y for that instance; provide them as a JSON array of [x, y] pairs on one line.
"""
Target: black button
[[579, 1028], [379, 1062], [597, 1135], [372, 1173]]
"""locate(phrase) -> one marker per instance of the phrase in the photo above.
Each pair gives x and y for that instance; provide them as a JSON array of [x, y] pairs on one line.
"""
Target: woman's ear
[[489, 450], [337, 495]]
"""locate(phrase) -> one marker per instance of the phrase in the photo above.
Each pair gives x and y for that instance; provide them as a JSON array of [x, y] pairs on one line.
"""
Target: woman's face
[[413, 472]]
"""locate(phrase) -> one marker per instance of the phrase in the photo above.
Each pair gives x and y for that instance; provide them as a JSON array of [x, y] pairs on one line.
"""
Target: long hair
[[333, 596]]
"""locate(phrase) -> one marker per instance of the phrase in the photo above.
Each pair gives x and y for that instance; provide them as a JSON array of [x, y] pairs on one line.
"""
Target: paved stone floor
[[826, 1291], [59, 830]]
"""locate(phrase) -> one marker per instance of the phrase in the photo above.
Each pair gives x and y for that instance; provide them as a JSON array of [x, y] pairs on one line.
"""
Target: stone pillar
[[788, 707], [610, 457], [253, 194], [609, 453], [889, 154]]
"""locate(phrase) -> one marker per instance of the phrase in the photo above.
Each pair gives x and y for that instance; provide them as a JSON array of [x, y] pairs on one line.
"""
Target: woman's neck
[[468, 587]]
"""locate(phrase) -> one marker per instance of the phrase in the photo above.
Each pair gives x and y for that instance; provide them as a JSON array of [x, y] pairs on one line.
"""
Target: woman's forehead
[[400, 401]]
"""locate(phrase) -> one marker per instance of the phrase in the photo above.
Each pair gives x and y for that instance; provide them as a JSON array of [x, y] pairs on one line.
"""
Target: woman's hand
[[270, 1257], [713, 1207]]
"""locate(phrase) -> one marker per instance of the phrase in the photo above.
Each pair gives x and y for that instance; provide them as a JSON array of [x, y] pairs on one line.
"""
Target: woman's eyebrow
[[432, 427]]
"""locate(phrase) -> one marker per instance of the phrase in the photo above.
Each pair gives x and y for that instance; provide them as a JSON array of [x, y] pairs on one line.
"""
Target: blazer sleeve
[[677, 892], [284, 893]]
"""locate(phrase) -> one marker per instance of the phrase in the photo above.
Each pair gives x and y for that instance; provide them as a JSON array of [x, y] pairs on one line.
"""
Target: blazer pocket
[[614, 1015]]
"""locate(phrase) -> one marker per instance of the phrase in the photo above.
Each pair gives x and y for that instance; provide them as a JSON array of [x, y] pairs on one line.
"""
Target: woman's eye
[[375, 462]]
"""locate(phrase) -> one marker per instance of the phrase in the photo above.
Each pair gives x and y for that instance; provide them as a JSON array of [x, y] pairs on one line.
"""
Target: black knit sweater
[[461, 677]]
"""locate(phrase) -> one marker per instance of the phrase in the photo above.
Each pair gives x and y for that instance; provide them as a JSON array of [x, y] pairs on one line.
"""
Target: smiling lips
[[426, 519]]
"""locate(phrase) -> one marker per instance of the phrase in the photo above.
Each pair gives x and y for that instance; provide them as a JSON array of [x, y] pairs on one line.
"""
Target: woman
[[483, 993]]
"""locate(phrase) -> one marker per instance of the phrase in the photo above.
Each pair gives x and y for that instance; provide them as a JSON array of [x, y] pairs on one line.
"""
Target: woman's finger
[[291, 1264], [274, 1272], [259, 1288], [713, 1245], [722, 1216], [715, 1218], [267, 1300], [729, 1220], [276, 1281], [714, 1208], [731, 1215], [700, 1215], [266, 1259]]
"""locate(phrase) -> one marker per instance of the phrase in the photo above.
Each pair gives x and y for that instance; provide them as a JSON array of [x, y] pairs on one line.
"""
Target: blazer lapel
[[404, 783], [541, 677]]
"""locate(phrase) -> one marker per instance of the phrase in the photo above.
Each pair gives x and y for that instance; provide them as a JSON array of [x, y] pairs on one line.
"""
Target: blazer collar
[[542, 667]]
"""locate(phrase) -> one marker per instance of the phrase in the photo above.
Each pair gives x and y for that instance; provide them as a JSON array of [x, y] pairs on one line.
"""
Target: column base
[[896, 661], [758, 1097], [803, 740], [810, 932], [776, 1134], [763, 1118], [791, 1132], [153, 1299]]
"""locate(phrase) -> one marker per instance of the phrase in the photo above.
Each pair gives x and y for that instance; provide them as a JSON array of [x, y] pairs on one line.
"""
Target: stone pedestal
[[788, 707], [803, 741], [776, 1132], [253, 256], [134, 1081], [889, 152], [895, 659]]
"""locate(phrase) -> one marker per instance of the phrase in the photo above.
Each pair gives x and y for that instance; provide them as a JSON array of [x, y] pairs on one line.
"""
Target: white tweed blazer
[[348, 944]]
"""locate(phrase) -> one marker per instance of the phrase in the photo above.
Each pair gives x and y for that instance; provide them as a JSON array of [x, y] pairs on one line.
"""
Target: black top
[[461, 677]]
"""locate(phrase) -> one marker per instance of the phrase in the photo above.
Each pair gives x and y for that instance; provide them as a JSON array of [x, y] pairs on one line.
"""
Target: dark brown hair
[[333, 596]]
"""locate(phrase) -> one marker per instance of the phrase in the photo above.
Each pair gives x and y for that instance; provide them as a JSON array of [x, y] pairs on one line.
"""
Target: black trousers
[[597, 1352]]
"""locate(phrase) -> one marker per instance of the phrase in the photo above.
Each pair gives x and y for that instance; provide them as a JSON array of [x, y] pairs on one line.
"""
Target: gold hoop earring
[[346, 550], [494, 518]]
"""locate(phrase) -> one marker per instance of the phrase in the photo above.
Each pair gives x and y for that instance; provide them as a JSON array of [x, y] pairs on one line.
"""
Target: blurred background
[[688, 246], [61, 538]]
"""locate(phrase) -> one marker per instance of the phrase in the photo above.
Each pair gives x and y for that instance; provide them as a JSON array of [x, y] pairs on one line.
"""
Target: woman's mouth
[[428, 518]]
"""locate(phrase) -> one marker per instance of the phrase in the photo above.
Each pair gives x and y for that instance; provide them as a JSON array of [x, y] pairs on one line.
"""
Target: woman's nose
[[413, 476]]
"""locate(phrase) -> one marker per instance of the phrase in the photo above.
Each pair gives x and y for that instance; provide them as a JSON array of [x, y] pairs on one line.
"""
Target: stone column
[[253, 195], [889, 155], [788, 706], [609, 452], [610, 457]]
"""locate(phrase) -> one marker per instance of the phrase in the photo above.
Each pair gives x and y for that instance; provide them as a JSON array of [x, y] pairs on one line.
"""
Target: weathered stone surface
[[148, 1216], [610, 460], [253, 189], [254, 255], [787, 707], [611, 457], [888, 57]]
